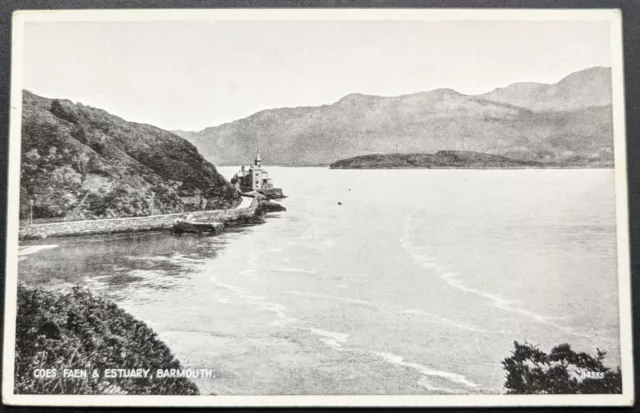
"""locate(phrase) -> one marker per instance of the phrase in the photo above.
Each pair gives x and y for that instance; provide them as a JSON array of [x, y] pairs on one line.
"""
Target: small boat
[[182, 227]]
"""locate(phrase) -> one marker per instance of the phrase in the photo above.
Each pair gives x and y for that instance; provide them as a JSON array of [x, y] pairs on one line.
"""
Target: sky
[[192, 75]]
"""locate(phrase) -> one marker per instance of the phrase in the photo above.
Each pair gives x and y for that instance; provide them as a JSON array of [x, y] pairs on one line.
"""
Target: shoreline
[[135, 224]]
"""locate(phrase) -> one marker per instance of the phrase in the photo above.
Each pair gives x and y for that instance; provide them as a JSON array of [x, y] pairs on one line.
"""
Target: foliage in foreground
[[78, 330], [562, 371]]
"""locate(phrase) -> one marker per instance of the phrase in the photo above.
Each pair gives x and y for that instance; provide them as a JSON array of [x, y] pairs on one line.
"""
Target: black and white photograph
[[317, 208]]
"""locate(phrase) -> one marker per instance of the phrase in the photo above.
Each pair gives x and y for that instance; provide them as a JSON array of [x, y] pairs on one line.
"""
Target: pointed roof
[[258, 157]]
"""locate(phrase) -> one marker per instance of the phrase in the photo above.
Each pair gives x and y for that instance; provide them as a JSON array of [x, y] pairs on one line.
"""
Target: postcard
[[303, 207]]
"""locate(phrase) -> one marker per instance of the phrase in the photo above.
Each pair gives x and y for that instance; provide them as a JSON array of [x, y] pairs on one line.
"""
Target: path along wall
[[148, 223]]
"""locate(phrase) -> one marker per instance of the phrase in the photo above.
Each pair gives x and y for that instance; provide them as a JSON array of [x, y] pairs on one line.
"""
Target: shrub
[[78, 330], [562, 371]]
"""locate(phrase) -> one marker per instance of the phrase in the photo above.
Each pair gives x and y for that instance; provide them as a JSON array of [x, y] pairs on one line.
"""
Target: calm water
[[417, 284]]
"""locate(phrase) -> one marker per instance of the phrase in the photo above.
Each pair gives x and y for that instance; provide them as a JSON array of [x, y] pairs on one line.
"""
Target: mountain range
[[568, 123]]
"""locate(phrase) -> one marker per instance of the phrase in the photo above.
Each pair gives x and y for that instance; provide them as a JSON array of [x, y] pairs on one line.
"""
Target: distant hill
[[80, 162], [579, 90], [446, 159], [568, 122], [439, 160]]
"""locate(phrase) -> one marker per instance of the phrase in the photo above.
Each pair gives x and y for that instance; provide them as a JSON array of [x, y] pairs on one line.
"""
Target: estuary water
[[373, 281]]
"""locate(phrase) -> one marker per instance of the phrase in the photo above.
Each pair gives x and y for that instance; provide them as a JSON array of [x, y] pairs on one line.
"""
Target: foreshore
[[136, 224]]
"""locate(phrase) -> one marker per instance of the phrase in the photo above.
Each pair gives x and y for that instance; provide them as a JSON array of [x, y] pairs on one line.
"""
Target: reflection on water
[[114, 263], [372, 282]]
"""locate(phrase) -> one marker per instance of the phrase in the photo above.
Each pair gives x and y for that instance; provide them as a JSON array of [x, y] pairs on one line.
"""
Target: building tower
[[256, 172], [258, 161]]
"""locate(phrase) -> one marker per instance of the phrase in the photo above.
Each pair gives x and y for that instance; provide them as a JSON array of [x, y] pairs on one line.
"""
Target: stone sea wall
[[148, 223]]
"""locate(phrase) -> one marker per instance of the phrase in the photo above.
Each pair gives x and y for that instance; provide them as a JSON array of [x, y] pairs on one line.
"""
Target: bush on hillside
[[78, 330], [562, 371]]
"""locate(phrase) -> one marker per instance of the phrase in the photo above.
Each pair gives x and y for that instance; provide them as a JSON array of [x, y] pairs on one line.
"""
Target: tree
[[562, 371]]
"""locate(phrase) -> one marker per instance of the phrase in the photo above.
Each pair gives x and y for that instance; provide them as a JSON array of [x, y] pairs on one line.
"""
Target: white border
[[612, 16]]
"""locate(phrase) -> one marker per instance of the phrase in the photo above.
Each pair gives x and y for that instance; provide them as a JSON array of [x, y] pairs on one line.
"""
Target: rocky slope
[[80, 162], [569, 122]]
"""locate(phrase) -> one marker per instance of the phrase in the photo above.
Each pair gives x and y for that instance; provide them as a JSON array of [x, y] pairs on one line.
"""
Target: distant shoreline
[[488, 168], [461, 160], [439, 167]]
